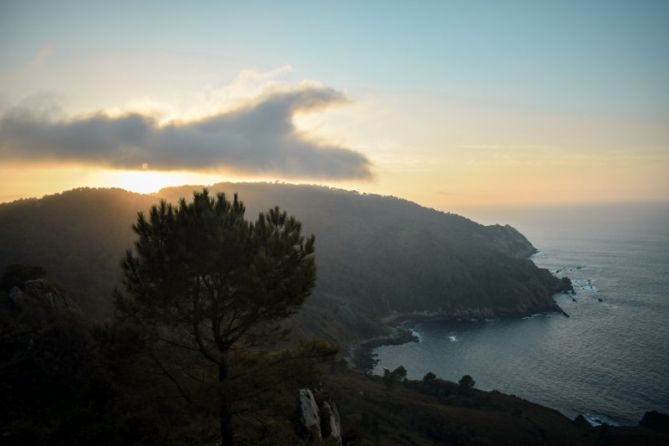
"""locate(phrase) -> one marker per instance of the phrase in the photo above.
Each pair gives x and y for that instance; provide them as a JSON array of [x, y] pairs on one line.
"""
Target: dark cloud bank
[[259, 138]]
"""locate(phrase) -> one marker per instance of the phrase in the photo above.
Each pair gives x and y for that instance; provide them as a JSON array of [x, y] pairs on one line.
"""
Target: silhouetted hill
[[376, 255], [438, 412], [78, 236]]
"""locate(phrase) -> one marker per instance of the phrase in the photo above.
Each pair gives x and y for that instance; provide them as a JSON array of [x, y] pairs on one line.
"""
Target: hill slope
[[376, 255], [439, 413]]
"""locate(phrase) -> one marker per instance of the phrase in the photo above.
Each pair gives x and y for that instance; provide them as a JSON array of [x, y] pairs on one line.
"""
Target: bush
[[429, 377], [466, 382], [397, 375], [16, 275]]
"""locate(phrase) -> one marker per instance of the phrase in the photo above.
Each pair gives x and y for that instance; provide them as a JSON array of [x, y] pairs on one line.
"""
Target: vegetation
[[65, 381], [195, 339], [204, 279], [466, 383], [206, 289], [373, 252], [429, 378], [436, 413], [398, 375], [17, 275]]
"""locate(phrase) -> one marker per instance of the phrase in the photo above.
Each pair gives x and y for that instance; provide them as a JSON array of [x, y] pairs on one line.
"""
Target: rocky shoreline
[[362, 356]]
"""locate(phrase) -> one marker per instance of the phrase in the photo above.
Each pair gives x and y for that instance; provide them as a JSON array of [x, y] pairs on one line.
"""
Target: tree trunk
[[224, 407]]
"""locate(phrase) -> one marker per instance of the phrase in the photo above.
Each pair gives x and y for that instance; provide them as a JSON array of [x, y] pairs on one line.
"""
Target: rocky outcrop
[[321, 423], [38, 293], [362, 354], [331, 424], [581, 422], [507, 239], [310, 415], [656, 421]]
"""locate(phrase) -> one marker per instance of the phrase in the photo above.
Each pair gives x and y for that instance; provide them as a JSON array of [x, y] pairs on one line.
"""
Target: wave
[[416, 335], [585, 285], [598, 419]]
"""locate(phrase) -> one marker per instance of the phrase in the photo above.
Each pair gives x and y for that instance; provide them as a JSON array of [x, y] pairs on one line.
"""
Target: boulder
[[581, 422], [39, 293], [656, 421], [19, 299], [331, 424], [309, 415]]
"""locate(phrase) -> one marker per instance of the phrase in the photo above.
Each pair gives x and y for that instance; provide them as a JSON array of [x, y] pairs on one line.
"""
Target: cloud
[[259, 137]]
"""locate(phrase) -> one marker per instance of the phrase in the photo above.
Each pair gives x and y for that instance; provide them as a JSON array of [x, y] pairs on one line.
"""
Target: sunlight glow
[[147, 181]]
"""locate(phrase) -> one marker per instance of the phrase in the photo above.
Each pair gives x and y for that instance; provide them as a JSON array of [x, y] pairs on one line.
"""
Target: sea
[[609, 360]]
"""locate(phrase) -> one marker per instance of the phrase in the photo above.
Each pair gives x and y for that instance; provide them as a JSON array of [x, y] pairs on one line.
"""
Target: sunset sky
[[453, 104]]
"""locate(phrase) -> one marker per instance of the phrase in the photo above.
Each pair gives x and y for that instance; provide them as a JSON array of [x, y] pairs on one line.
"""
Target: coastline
[[361, 354]]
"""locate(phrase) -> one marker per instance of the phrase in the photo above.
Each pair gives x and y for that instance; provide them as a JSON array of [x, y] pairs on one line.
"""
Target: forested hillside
[[375, 255]]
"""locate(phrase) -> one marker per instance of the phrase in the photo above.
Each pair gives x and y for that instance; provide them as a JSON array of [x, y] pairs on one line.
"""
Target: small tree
[[203, 278], [396, 376], [429, 378], [466, 383]]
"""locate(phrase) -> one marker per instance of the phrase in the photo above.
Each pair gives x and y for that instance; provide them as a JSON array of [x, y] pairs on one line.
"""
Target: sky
[[452, 104]]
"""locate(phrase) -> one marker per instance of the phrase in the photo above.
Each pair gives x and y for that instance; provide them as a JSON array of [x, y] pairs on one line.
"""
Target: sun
[[148, 181]]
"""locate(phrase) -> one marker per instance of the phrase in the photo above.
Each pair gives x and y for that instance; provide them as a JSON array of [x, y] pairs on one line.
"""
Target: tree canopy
[[467, 382], [203, 278]]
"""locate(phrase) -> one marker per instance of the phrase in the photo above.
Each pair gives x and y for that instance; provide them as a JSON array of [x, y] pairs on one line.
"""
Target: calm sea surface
[[610, 359]]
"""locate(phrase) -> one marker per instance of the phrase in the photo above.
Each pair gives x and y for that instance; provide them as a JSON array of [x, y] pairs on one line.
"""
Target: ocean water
[[610, 359]]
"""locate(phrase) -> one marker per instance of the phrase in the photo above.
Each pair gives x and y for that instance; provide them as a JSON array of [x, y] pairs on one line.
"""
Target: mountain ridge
[[376, 255]]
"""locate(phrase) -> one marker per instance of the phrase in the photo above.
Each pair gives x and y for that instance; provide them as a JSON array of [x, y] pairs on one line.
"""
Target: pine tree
[[466, 383], [203, 278]]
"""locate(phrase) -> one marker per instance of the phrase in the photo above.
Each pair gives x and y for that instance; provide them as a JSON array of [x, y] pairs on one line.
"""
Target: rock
[[331, 427], [322, 424], [20, 299], [581, 422], [656, 421], [39, 293], [508, 240], [309, 415]]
